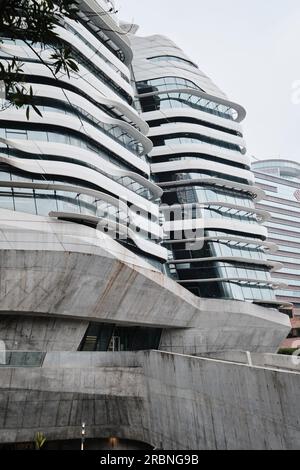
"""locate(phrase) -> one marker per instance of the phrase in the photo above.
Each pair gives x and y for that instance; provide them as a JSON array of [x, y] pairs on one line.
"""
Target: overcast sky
[[250, 49]]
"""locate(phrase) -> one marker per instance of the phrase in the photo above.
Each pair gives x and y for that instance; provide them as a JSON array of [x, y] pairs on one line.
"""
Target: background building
[[280, 179]]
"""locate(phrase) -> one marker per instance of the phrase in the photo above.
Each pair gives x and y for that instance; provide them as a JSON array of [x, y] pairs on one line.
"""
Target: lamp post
[[82, 436]]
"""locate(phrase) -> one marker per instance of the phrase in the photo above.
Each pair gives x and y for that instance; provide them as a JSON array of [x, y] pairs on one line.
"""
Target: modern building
[[85, 160], [88, 151], [280, 179], [199, 159], [103, 320]]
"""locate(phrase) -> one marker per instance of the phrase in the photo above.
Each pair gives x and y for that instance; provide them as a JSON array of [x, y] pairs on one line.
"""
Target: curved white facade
[[199, 158], [92, 233], [85, 159]]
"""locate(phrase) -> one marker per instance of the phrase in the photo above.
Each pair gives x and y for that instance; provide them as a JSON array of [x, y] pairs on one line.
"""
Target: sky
[[249, 48]]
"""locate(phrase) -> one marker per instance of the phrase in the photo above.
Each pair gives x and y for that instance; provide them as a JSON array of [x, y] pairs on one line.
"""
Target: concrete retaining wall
[[178, 401], [208, 404]]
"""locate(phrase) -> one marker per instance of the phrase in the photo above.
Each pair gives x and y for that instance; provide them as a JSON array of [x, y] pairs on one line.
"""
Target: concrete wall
[[33, 333], [207, 404], [56, 400], [102, 288], [194, 341], [54, 281], [75, 360], [180, 401]]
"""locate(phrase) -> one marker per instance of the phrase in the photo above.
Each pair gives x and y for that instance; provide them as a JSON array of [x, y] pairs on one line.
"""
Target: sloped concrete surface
[[55, 278], [57, 269], [83, 287], [208, 404], [30, 333]]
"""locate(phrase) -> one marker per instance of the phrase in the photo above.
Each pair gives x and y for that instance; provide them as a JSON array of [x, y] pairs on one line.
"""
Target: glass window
[[67, 202], [6, 200], [16, 134], [170, 58], [37, 135], [45, 202], [5, 176], [87, 204], [24, 203]]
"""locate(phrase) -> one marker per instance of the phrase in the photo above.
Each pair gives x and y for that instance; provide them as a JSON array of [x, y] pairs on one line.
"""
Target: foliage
[[34, 22], [287, 351], [39, 440]]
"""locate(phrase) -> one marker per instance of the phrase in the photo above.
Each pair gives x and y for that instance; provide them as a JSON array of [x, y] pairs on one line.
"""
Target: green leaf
[[73, 65], [58, 67], [37, 110], [34, 22]]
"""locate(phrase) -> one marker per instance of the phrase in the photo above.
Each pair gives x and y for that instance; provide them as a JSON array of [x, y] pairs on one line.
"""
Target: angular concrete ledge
[[62, 270], [103, 289]]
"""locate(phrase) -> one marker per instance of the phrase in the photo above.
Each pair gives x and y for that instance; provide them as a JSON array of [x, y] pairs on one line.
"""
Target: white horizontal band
[[235, 280], [144, 245], [189, 112], [168, 129], [271, 247], [88, 175], [256, 192], [82, 155], [224, 224], [264, 215], [198, 164], [238, 259], [241, 112]]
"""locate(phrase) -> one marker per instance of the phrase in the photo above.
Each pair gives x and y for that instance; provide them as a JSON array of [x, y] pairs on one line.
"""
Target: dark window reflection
[[109, 337]]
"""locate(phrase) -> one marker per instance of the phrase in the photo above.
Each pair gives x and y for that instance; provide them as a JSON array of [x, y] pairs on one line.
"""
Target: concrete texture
[[31, 333], [102, 288], [209, 404], [278, 361], [194, 341], [180, 401], [56, 402], [54, 280]]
